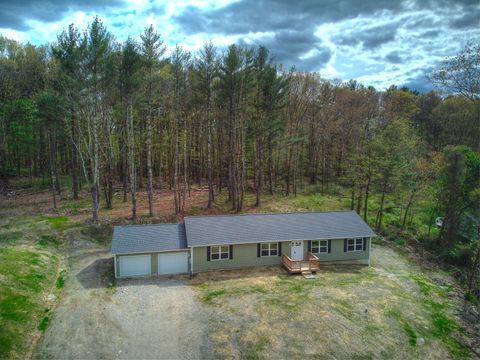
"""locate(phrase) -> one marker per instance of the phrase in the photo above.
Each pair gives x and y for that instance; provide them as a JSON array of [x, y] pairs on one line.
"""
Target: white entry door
[[173, 263], [296, 250]]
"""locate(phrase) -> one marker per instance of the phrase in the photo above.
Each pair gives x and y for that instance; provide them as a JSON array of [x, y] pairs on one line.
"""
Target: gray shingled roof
[[231, 229], [131, 239]]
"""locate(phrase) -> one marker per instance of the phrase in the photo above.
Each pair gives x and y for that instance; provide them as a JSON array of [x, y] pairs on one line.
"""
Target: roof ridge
[[278, 213]]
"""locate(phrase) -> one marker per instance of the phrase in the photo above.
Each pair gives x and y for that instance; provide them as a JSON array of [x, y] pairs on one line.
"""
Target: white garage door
[[173, 263], [135, 265]]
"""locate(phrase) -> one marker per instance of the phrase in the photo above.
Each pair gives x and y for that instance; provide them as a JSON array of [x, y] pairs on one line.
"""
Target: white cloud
[[382, 48]]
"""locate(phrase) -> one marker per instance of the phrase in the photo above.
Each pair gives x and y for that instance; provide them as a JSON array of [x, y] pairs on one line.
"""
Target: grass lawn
[[26, 276], [390, 310], [30, 263]]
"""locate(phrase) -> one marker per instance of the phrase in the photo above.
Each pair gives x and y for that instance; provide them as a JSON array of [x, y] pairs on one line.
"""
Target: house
[[299, 241]]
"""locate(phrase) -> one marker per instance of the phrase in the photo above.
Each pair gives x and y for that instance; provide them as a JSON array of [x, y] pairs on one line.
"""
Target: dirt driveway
[[141, 318]]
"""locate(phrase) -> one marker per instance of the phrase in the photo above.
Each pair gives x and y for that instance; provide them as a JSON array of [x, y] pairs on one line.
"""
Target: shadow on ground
[[97, 274], [159, 281]]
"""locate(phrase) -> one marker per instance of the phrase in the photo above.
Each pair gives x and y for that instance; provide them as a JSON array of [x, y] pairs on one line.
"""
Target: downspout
[[115, 265], [191, 262], [369, 250]]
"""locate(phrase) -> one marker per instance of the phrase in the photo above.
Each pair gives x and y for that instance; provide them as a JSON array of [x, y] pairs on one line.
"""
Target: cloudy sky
[[377, 42]]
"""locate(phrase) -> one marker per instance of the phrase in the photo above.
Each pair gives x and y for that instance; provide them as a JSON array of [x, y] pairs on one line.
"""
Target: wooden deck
[[299, 266]]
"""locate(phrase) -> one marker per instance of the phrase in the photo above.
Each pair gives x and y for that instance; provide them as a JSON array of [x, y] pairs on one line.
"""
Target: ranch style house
[[299, 241]]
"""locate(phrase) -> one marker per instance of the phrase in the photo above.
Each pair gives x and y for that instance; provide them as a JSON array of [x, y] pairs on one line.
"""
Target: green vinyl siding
[[244, 255], [337, 253]]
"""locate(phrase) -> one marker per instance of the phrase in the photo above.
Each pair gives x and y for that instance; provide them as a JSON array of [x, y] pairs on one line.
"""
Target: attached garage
[[172, 263], [134, 265], [144, 250]]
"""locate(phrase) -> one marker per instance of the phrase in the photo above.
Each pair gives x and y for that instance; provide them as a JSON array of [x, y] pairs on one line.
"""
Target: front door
[[296, 250]]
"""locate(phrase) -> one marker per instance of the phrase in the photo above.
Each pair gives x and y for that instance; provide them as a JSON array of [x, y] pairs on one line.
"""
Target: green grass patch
[[44, 323], [77, 206], [58, 222], [295, 285], [412, 336], [445, 329], [345, 308], [339, 276], [48, 240], [24, 276], [211, 292], [210, 295], [310, 202], [255, 351], [407, 328], [469, 296], [10, 237], [427, 287], [60, 283], [444, 326], [112, 287]]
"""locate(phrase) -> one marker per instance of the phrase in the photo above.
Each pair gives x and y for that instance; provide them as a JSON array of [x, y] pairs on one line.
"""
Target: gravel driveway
[[138, 319]]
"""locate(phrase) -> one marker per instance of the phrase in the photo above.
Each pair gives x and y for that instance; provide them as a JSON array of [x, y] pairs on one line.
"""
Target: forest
[[130, 117]]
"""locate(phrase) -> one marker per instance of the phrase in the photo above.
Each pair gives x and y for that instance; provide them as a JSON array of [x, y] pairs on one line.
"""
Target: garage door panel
[[135, 265], [173, 263]]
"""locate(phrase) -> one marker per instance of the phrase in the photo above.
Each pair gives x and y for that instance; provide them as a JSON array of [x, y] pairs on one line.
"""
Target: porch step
[[308, 275]]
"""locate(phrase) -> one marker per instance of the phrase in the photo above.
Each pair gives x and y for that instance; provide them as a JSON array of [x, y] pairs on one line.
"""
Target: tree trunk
[[359, 200], [352, 198], [270, 164], [185, 167], [107, 191], [74, 162], [95, 165], [55, 167], [131, 160], [94, 190], [125, 156], [475, 263], [209, 163], [409, 205], [176, 166], [149, 163], [367, 193], [259, 165], [287, 172], [380, 211], [324, 160], [51, 161]]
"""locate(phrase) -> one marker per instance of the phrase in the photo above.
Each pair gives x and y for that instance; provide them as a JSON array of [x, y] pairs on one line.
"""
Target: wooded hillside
[[126, 115]]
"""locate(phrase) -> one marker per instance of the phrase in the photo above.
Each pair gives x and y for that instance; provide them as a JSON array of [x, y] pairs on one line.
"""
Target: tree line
[[106, 112]]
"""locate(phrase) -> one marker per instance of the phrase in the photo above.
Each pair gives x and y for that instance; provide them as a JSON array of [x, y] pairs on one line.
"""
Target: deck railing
[[313, 261], [297, 266]]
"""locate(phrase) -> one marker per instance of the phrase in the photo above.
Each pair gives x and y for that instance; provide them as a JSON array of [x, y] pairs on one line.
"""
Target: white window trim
[[269, 249], [320, 247], [324, 247], [220, 252], [355, 241]]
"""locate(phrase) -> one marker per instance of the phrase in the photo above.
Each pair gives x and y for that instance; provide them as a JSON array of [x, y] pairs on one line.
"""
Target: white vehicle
[[439, 222]]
